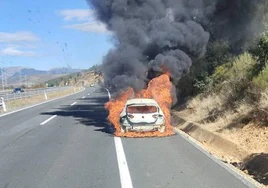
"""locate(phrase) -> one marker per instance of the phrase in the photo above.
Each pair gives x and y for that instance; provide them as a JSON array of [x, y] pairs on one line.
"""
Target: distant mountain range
[[29, 76]]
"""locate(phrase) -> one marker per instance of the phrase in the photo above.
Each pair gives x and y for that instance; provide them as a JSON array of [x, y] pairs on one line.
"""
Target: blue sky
[[45, 34]]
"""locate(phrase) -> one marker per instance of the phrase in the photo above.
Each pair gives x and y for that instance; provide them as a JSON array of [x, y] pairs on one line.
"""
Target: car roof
[[141, 101]]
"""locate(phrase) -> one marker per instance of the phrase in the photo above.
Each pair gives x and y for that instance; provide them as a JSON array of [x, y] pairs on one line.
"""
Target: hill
[[28, 76], [84, 78]]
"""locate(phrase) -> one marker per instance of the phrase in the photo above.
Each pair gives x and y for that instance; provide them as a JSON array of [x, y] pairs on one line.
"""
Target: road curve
[[68, 143]]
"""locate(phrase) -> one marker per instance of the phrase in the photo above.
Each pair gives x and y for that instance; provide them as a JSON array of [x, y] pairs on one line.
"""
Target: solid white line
[[49, 119], [125, 178], [83, 97], [109, 94], [19, 110], [73, 103], [230, 168], [122, 164]]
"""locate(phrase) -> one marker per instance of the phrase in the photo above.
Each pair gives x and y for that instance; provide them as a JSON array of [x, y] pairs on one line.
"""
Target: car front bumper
[[142, 128]]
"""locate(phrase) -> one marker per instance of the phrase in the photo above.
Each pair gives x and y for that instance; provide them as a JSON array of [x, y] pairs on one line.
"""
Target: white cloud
[[77, 14], [10, 51], [95, 27], [21, 45], [17, 37], [86, 21]]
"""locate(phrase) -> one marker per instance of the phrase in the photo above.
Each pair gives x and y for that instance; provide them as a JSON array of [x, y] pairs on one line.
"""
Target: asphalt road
[[68, 143]]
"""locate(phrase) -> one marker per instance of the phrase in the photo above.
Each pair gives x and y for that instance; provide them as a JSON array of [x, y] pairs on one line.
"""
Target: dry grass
[[264, 99], [201, 107], [251, 138], [20, 103], [240, 124], [86, 79]]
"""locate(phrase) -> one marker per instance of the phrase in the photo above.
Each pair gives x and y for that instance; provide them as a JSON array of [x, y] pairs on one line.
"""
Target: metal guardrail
[[8, 96]]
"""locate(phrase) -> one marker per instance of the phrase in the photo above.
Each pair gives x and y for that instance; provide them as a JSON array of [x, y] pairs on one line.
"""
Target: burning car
[[142, 115]]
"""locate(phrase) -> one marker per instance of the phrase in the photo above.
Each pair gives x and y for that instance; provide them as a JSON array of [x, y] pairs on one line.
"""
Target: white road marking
[[49, 119], [83, 97], [230, 168], [89, 94], [109, 94], [73, 103], [125, 178]]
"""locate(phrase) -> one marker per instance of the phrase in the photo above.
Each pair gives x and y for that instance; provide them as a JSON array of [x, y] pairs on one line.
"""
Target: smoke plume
[[152, 35], [237, 21]]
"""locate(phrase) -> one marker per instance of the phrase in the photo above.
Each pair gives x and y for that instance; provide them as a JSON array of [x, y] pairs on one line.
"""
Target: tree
[[260, 51]]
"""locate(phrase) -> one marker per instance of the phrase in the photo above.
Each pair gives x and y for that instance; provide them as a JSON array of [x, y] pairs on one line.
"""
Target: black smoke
[[152, 34], [237, 21]]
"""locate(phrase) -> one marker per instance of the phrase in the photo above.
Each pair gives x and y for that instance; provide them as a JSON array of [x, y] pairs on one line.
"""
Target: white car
[[142, 115]]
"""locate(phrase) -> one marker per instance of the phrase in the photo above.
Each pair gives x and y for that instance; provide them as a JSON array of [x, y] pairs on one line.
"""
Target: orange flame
[[158, 89]]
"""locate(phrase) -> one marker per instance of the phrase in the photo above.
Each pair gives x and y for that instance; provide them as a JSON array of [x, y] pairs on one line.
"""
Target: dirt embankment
[[244, 128], [251, 137]]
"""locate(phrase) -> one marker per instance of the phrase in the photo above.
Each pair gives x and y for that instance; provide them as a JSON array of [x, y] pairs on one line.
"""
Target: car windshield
[[141, 109]]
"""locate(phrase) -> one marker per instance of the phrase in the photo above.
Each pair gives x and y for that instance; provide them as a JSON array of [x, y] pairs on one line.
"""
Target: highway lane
[[173, 162], [14, 125], [67, 151], [76, 148]]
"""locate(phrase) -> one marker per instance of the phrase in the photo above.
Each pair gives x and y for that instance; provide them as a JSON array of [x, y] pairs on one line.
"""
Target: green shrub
[[221, 73], [217, 54], [234, 74], [232, 80], [260, 51], [261, 81], [202, 83], [198, 78]]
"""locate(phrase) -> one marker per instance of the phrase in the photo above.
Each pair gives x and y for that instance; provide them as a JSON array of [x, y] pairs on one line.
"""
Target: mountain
[[84, 78], [29, 76], [25, 71], [63, 70]]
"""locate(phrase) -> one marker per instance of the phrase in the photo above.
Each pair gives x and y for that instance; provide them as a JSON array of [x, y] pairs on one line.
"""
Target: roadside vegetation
[[226, 91], [84, 78], [239, 85]]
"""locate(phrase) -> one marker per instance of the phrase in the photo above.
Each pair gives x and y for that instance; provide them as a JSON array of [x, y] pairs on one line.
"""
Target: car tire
[[162, 128], [123, 129]]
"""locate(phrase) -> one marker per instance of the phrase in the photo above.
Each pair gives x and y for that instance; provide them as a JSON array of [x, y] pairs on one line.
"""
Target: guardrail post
[[3, 104], [45, 94]]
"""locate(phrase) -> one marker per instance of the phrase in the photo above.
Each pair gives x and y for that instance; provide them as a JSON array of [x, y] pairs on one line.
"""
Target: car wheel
[[123, 129], [162, 128]]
